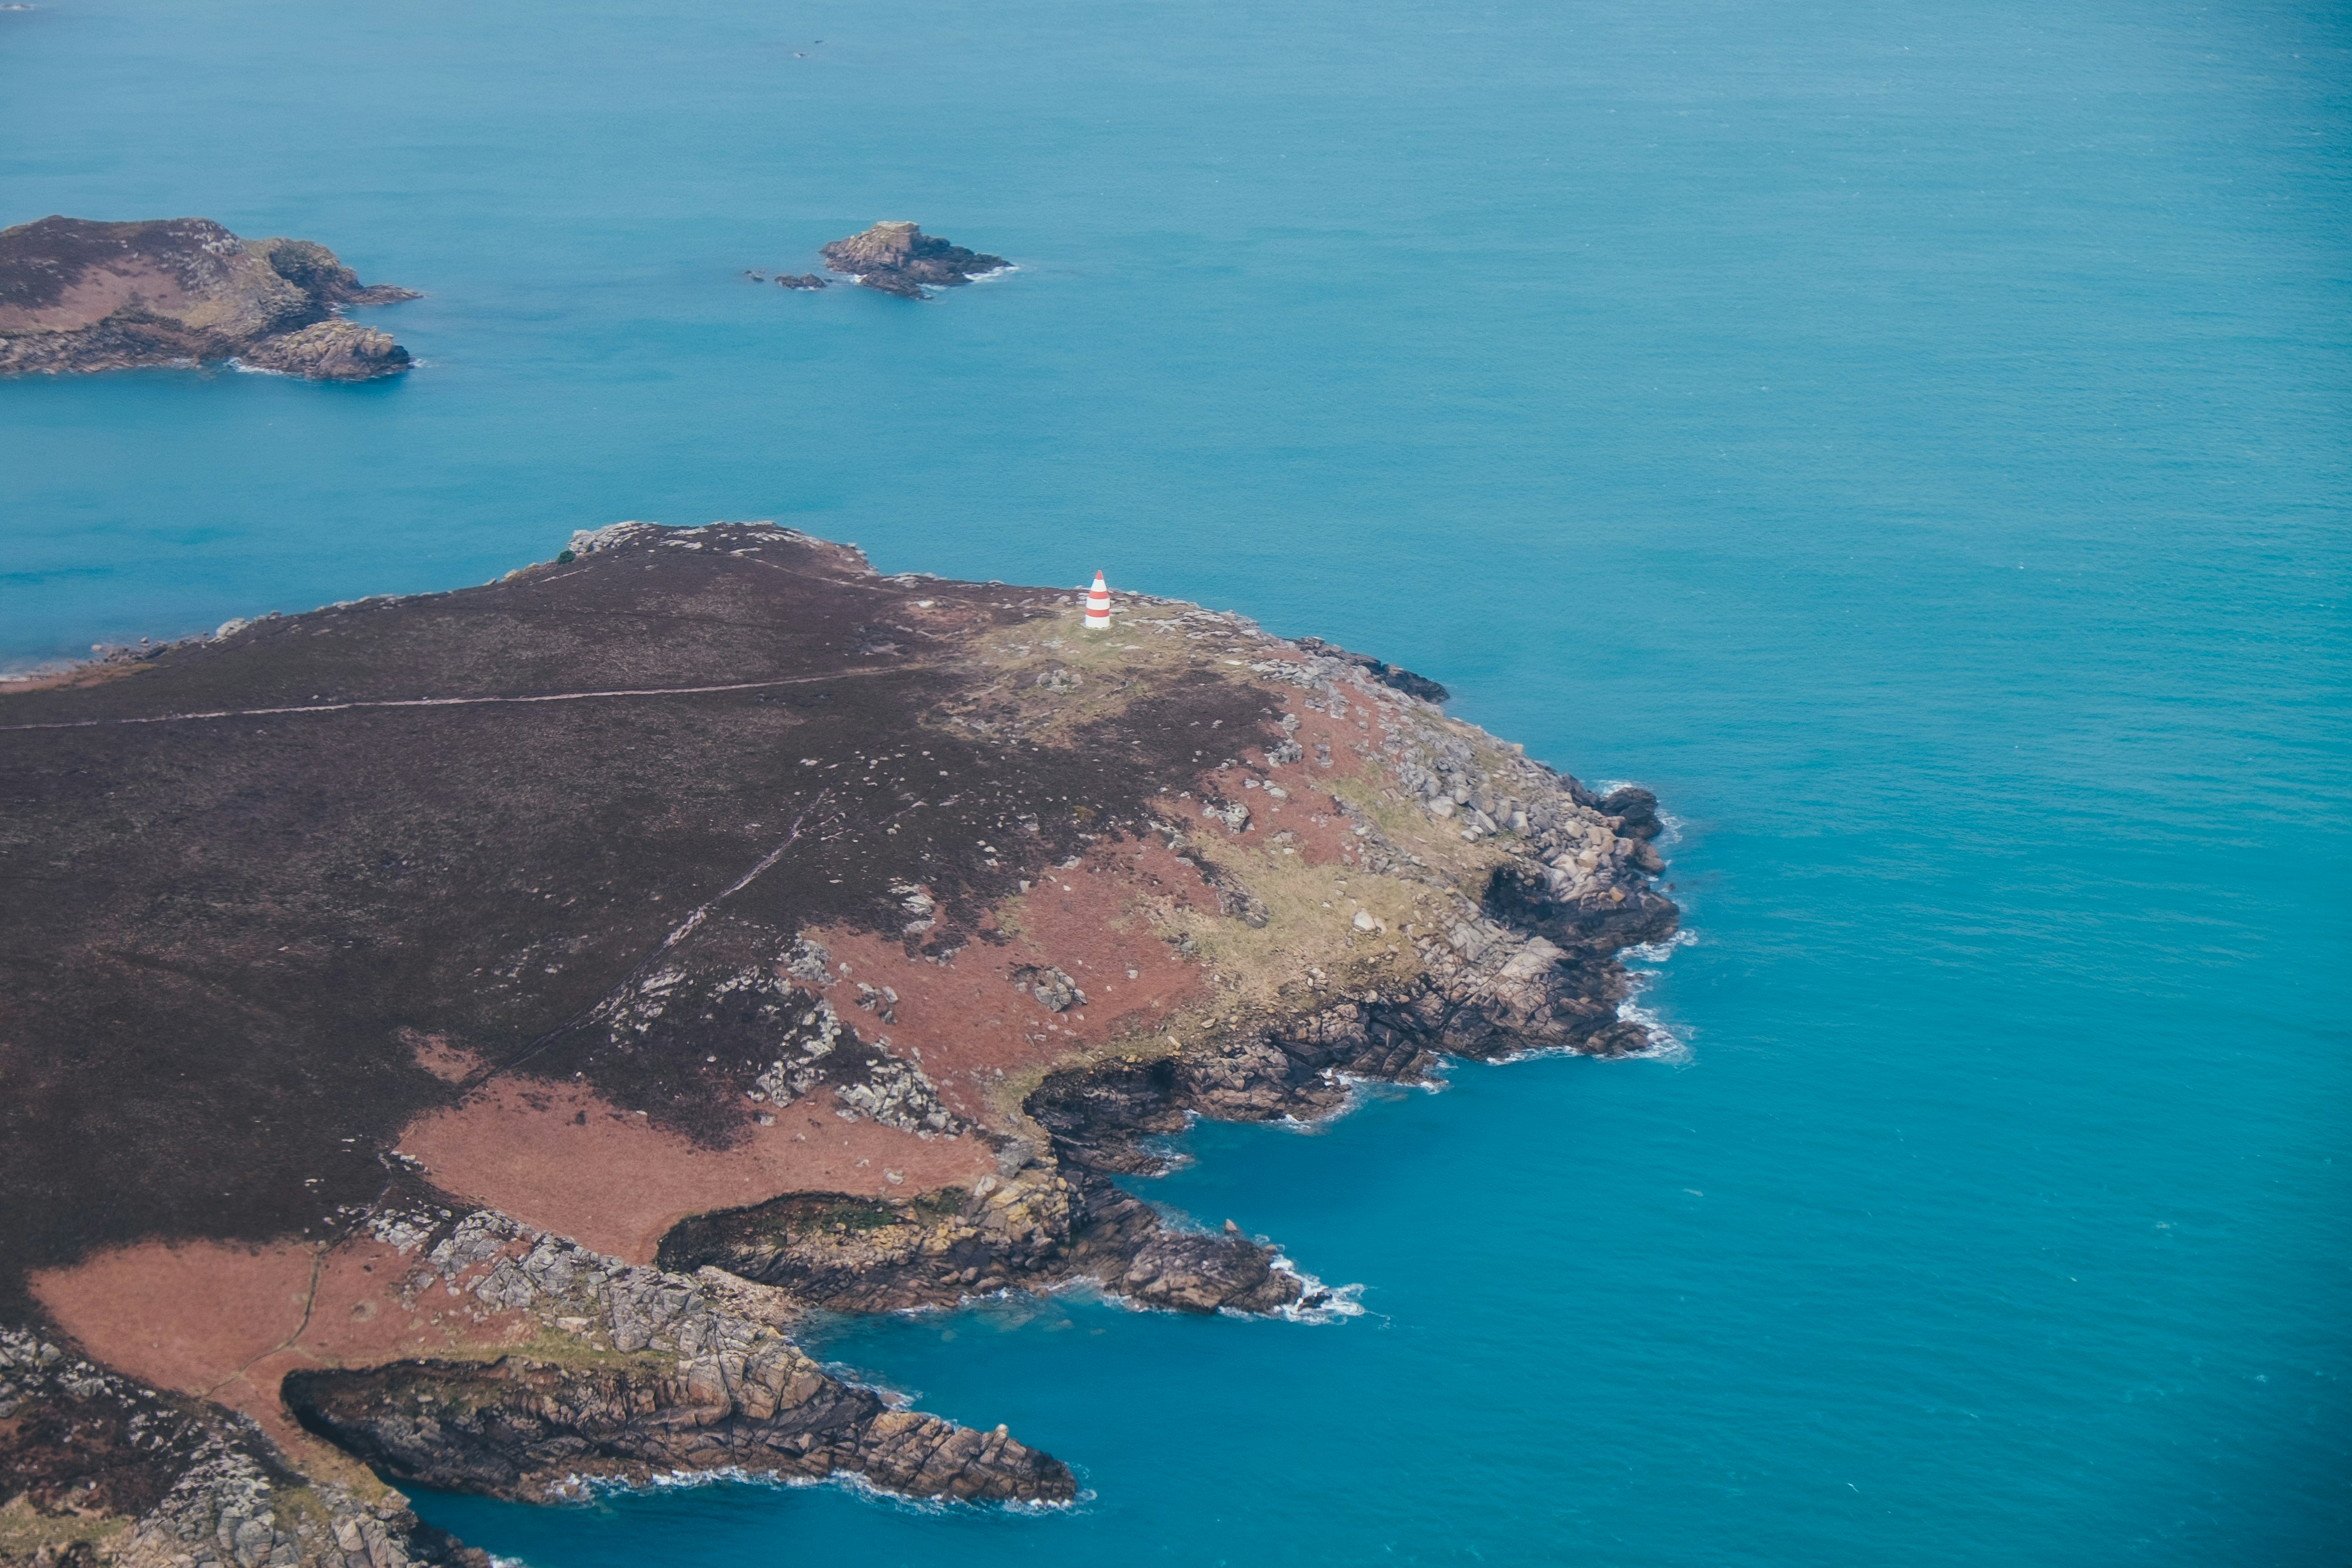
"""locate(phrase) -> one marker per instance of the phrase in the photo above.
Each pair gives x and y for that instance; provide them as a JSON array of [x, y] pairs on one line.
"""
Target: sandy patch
[[560, 1157]]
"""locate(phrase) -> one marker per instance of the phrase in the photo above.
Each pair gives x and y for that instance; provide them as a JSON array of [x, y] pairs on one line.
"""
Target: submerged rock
[[900, 259], [76, 295]]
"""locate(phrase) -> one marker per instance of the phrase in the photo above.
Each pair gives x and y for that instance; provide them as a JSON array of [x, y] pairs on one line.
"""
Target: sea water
[[1911, 438]]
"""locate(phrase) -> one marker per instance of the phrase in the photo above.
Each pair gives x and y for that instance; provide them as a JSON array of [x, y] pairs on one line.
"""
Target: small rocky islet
[[896, 257], [78, 294], [455, 1039]]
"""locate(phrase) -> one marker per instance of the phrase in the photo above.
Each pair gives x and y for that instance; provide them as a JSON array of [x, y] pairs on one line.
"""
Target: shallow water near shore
[[1912, 441]]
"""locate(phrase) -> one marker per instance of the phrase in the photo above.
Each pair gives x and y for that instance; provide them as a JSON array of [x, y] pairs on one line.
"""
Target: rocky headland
[[454, 1040], [900, 259], [81, 295]]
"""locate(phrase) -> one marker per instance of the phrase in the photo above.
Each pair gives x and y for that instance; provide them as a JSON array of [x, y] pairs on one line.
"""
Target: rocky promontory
[[459, 1040], [900, 259], [81, 295]]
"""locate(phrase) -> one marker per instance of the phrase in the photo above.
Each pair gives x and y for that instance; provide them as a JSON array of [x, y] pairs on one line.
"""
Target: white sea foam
[[1332, 1303], [1659, 952], [1168, 1149], [588, 1488], [1360, 1090], [1664, 1045], [1367, 1089]]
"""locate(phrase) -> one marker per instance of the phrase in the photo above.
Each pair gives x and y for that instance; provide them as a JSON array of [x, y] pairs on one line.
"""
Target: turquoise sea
[[1911, 438]]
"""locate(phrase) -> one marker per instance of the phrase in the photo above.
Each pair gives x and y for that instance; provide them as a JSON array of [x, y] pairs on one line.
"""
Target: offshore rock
[[77, 295], [900, 259]]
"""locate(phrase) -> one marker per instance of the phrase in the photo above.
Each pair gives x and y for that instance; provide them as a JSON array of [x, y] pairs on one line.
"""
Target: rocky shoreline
[[77, 296], [677, 1376], [1013, 905]]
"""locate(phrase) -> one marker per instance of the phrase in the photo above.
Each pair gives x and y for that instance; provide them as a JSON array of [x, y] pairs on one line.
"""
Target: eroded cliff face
[[81, 295], [570, 982]]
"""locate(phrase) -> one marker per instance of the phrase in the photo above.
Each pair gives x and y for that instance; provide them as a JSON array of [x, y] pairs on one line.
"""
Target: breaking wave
[[1317, 1302], [1665, 1044], [1659, 952], [587, 1489]]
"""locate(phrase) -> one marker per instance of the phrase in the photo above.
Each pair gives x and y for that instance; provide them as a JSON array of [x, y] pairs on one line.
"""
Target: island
[[900, 259], [455, 1039], [81, 295]]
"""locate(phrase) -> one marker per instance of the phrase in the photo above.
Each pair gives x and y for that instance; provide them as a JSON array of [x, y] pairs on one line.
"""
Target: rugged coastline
[[655, 946], [79, 296]]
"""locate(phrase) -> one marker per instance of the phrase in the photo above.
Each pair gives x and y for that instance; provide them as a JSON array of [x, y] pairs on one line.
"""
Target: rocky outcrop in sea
[[76, 295], [900, 259]]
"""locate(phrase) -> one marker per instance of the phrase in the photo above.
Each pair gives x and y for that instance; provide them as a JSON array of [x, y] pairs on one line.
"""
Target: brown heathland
[[713, 900]]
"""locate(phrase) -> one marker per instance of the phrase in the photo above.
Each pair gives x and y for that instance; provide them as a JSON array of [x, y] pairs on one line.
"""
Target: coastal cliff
[[565, 985], [81, 295]]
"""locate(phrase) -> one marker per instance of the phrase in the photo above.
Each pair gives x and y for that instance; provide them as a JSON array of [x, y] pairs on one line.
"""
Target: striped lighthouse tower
[[1098, 606]]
